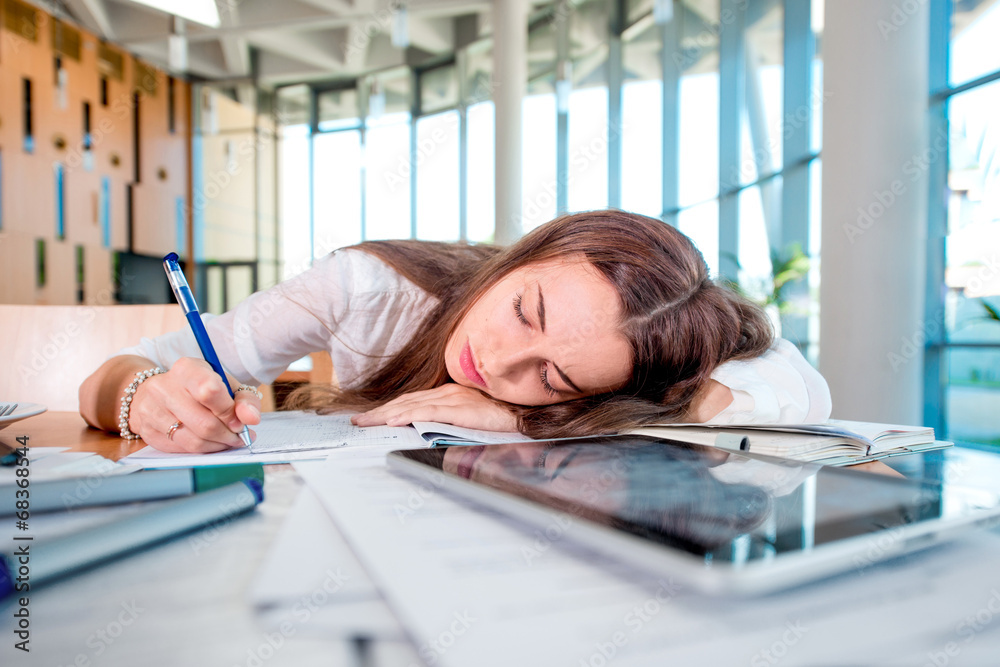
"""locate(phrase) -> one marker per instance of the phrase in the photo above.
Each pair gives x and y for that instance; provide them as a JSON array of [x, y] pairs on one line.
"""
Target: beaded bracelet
[[140, 377]]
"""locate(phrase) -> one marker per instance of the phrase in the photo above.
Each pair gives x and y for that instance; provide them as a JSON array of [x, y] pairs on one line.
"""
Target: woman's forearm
[[101, 393]]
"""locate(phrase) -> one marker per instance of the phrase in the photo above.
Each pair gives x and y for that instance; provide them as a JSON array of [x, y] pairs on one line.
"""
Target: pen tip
[[245, 437]]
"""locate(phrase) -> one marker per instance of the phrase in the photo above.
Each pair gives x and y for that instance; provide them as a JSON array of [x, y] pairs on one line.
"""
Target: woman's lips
[[468, 365], [469, 457]]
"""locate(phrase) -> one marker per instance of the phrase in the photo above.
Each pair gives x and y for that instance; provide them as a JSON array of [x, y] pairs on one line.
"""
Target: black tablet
[[723, 521]]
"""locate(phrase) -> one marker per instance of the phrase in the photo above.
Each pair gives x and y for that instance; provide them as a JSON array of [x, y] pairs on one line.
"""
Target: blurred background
[[252, 136]]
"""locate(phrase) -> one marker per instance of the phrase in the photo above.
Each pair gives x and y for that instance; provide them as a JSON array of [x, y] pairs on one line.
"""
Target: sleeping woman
[[593, 323]]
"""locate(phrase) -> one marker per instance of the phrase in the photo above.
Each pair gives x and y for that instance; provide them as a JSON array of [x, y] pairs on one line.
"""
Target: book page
[[439, 433]]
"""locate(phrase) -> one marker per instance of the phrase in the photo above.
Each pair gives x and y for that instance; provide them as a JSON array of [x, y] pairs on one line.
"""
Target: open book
[[437, 433], [834, 442]]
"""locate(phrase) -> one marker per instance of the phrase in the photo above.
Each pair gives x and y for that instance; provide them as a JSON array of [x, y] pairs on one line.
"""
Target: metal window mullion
[[800, 50], [732, 70], [935, 352], [671, 63], [461, 71], [313, 129], [616, 77], [414, 114], [363, 177], [563, 73]]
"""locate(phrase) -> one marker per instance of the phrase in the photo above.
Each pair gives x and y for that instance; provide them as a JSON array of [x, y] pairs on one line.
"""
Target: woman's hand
[[194, 395], [450, 403]]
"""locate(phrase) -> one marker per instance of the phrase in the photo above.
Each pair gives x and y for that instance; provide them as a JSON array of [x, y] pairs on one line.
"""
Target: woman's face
[[545, 333]]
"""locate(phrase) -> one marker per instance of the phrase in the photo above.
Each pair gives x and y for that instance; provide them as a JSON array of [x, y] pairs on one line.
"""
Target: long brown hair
[[680, 325]]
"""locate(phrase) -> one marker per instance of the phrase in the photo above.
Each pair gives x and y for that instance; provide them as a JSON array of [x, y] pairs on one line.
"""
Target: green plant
[[787, 266], [992, 312]]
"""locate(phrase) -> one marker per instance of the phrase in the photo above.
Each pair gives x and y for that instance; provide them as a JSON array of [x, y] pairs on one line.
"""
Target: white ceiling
[[287, 40], [275, 42]]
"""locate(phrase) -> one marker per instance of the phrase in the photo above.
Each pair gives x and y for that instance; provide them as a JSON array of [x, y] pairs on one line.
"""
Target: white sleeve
[[349, 303], [778, 387]]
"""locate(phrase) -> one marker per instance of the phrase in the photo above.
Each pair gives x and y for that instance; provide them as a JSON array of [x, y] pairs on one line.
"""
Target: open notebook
[[835, 442]]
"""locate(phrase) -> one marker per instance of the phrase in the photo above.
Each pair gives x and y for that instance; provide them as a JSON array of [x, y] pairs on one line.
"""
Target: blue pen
[[184, 297]]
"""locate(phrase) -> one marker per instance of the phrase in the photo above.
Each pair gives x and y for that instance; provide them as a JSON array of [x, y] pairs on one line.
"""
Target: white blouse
[[362, 311]]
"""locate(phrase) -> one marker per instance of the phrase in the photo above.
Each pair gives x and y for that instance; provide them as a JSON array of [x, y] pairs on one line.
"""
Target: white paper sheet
[[473, 588], [283, 437], [309, 568]]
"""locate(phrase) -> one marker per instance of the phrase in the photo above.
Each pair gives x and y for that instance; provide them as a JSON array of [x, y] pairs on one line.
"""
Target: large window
[[963, 331], [387, 176], [689, 115], [437, 167]]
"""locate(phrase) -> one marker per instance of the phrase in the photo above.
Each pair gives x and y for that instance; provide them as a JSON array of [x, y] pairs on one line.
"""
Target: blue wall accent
[[105, 211], [60, 201]]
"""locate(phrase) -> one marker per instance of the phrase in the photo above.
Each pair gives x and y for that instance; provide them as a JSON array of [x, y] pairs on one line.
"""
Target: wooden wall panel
[[29, 183], [99, 284], [95, 181], [17, 268], [163, 167], [82, 179], [226, 198], [60, 275], [155, 229], [9, 124], [113, 148]]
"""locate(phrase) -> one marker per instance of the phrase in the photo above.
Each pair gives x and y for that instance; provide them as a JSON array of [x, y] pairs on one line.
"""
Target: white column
[[510, 76], [874, 238]]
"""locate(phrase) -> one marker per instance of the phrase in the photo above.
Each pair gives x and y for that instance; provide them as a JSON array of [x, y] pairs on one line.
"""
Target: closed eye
[[549, 389], [519, 311]]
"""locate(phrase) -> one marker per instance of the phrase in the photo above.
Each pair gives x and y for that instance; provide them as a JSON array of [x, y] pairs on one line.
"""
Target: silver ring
[[173, 429], [252, 390]]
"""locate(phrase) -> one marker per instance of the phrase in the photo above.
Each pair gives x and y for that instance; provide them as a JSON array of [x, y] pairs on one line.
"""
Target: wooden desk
[[67, 429]]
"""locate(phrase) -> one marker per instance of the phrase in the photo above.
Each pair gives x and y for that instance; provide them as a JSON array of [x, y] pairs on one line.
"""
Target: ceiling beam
[[436, 35], [93, 15], [297, 47], [336, 6], [426, 8], [235, 49]]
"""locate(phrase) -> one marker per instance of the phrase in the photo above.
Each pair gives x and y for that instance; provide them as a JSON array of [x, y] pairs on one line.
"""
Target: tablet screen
[[713, 503]]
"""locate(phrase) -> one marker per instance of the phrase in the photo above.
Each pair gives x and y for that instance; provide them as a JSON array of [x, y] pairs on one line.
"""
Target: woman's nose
[[509, 361]]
